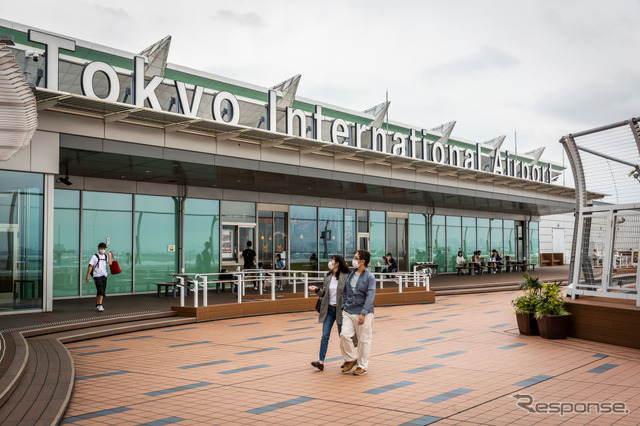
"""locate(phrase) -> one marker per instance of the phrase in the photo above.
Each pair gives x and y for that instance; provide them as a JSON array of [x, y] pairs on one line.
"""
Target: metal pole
[[181, 281], [306, 285], [239, 279], [273, 286], [195, 292], [400, 284], [204, 290]]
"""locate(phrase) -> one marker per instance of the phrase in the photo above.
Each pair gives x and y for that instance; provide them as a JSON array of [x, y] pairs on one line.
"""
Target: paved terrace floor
[[458, 361], [83, 309]]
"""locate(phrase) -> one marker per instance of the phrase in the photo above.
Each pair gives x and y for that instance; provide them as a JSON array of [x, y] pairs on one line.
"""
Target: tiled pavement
[[459, 361]]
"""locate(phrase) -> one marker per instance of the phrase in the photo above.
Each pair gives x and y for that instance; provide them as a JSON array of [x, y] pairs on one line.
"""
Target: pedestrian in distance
[[98, 270]]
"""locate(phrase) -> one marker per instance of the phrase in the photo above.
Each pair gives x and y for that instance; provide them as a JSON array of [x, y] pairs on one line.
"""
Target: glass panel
[[106, 217], [509, 248], [279, 233], [439, 241], [483, 236], [363, 222], [21, 240], [349, 233], [156, 227], [304, 238], [202, 235], [264, 248], [417, 239], [497, 242], [392, 239], [238, 212], [454, 241], [534, 246], [330, 228], [468, 237], [377, 236], [402, 245], [66, 243]]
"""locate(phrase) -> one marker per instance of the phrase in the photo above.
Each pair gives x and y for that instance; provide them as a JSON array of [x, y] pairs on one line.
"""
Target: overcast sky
[[541, 68]]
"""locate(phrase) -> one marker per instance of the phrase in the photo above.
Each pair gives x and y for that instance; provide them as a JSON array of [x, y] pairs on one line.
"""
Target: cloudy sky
[[540, 68]]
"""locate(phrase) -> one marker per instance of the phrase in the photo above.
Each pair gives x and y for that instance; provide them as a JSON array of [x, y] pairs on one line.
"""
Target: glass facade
[[454, 241], [108, 218], [156, 230], [377, 236], [66, 243], [439, 241], [484, 236], [534, 243], [21, 240], [469, 242], [303, 231], [350, 234], [418, 237], [330, 232], [201, 235], [497, 241], [509, 239]]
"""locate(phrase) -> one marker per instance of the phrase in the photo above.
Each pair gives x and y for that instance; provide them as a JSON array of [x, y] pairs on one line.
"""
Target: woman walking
[[330, 308]]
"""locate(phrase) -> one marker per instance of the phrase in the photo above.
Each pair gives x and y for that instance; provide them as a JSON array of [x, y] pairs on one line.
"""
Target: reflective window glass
[[330, 228], [496, 236], [418, 237], [484, 236], [107, 218], [21, 240], [377, 243], [439, 241], [202, 235], [238, 212], [454, 241], [469, 243], [509, 248], [156, 230], [349, 233], [66, 243], [534, 243], [303, 231]]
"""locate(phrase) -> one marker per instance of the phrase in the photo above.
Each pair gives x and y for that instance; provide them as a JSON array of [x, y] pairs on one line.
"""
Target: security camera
[[35, 56]]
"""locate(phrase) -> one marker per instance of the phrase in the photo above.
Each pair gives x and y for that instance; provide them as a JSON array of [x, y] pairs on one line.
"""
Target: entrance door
[[397, 241], [233, 240], [272, 237], [363, 241], [9, 276]]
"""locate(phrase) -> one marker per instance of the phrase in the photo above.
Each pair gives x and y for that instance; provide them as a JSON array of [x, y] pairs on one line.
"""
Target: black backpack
[[98, 262]]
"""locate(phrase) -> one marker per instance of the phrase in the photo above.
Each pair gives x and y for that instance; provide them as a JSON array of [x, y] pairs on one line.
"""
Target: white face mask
[[355, 263], [331, 265], [101, 251]]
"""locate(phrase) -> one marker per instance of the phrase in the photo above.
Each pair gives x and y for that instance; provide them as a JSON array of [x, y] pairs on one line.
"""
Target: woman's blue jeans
[[326, 331]]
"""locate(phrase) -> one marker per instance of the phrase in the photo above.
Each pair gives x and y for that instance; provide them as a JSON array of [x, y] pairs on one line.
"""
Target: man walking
[[357, 315], [98, 270]]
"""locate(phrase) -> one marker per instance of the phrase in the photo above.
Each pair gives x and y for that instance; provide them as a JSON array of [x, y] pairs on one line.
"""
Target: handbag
[[114, 268], [318, 304]]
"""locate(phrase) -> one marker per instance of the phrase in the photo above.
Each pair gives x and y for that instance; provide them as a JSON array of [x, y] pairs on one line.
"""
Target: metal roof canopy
[[170, 122]]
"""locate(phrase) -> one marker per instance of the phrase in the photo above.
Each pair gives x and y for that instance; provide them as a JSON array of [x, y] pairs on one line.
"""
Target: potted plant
[[526, 305], [553, 318]]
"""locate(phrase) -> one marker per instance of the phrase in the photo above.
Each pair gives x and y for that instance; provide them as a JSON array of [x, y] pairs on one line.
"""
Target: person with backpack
[[98, 270]]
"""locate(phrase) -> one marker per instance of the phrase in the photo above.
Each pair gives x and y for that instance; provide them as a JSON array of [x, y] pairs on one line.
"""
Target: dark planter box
[[527, 324], [554, 326]]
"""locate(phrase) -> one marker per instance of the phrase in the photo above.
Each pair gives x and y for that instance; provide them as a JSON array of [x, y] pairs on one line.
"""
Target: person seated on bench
[[460, 263], [477, 261], [390, 264], [497, 259]]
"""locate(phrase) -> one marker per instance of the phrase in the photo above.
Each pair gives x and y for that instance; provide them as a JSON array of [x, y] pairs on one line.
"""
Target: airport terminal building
[[176, 169]]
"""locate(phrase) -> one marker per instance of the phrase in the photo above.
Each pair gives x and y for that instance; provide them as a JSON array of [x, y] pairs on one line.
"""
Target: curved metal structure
[[606, 242]]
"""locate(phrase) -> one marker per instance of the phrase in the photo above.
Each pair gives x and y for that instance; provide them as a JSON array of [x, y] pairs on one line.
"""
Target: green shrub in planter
[[552, 317], [526, 305]]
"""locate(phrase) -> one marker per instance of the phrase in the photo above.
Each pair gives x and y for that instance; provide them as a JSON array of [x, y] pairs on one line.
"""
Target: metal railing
[[274, 278]]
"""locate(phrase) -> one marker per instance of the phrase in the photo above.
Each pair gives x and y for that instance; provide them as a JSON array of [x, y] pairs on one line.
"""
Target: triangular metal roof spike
[[445, 129], [157, 55], [379, 111], [496, 142], [289, 87], [535, 153]]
